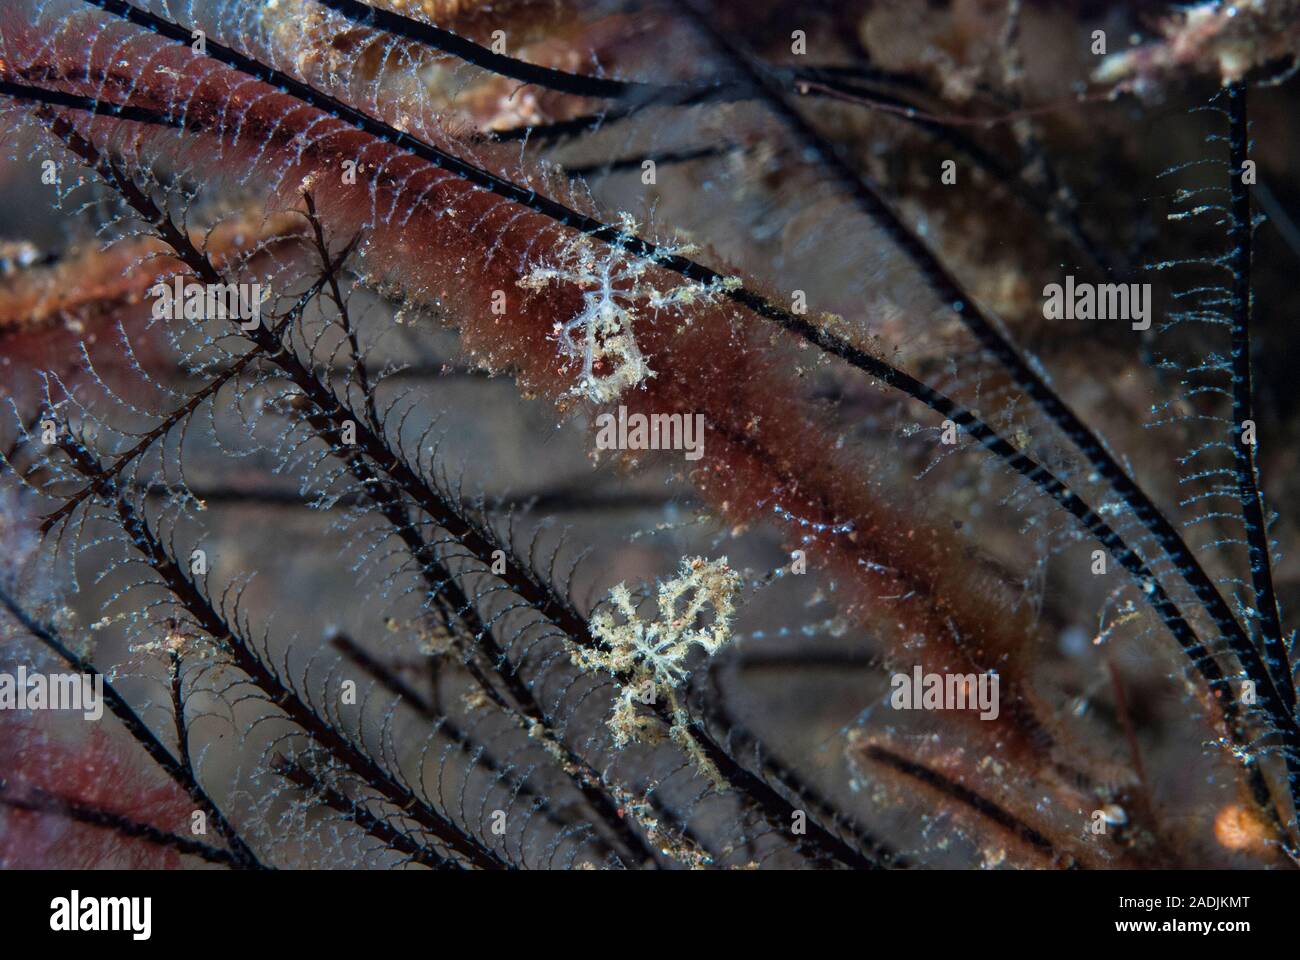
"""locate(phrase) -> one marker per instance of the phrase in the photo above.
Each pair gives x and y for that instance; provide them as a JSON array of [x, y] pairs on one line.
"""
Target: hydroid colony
[[365, 589]]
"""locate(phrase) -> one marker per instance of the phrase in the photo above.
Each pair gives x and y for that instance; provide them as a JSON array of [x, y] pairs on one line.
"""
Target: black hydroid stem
[[1241, 234]]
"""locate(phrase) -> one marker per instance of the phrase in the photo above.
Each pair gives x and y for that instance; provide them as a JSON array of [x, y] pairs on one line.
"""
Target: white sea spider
[[651, 654], [616, 295]]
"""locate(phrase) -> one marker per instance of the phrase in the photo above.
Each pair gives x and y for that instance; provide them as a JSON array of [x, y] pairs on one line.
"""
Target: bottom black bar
[[217, 909]]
